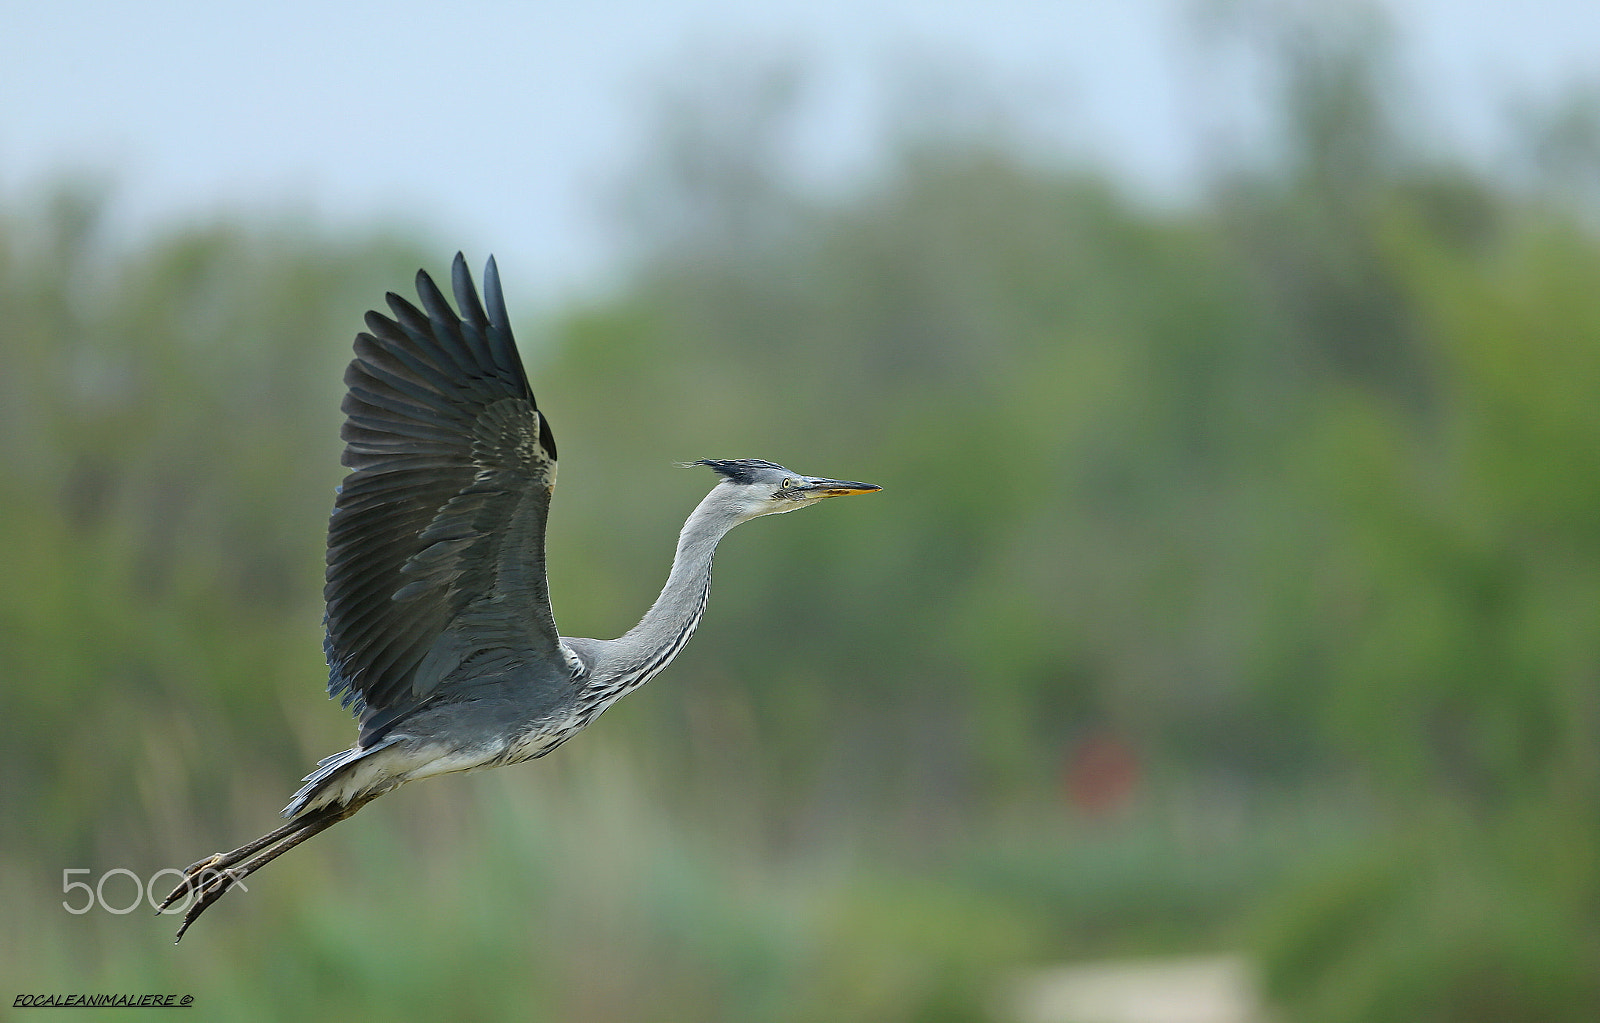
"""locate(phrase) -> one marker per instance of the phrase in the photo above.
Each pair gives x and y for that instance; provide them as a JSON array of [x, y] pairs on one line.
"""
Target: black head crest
[[739, 470]]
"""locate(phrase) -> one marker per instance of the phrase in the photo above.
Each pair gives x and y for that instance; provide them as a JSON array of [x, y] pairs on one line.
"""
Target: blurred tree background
[[1236, 586]]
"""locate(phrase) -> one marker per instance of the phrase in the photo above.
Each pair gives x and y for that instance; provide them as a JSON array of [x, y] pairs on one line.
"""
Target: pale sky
[[505, 126]]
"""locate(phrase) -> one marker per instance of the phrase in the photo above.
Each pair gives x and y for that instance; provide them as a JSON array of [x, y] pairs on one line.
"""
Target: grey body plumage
[[439, 633]]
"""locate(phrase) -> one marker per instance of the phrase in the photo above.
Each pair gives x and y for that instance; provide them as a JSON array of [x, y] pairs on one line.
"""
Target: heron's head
[[753, 487]]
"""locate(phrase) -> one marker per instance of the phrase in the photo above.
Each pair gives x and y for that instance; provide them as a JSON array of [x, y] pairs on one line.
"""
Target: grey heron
[[439, 633]]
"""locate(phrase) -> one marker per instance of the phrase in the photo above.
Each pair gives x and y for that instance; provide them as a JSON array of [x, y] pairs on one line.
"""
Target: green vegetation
[[1295, 494]]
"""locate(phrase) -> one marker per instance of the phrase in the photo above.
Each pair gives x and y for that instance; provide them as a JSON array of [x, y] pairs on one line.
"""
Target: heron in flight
[[439, 634]]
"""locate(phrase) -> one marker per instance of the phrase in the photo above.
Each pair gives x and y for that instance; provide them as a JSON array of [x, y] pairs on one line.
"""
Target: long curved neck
[[631, 659]]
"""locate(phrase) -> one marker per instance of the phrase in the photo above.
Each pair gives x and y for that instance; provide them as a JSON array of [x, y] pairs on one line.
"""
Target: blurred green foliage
[[1295, 493]]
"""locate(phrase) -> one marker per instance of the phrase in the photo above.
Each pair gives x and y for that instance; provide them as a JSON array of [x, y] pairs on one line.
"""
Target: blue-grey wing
[[435, 568]]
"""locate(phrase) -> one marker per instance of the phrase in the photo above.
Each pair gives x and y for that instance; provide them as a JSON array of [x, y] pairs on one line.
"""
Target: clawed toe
[[208, 892], [184, 886], [198, 865]]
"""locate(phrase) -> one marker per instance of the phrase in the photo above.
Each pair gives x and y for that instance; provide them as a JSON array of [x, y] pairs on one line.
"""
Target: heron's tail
[[324, 781]]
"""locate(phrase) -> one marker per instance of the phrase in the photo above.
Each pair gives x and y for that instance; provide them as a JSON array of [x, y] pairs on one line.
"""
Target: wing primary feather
[[390, 374], [475, 326], [381, 325], [427, 371], [414, 323], [447, 327], [498, 318], [440, 315], [504, 349], [466, 294]]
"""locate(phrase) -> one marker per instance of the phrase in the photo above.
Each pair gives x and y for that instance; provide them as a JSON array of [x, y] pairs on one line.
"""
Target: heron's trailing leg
[[209, 879]]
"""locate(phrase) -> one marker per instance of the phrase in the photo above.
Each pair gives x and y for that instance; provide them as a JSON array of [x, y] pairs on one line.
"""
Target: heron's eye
[[787, 483]]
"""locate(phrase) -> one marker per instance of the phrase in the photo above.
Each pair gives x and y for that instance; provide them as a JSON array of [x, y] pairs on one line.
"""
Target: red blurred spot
[[1101, 775]]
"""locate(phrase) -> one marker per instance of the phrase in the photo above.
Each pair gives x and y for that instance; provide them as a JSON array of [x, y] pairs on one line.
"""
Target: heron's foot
[[211, 878], [195, 874], [209, 884]]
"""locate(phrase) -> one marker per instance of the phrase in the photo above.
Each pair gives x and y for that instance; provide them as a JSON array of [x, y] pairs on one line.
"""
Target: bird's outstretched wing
[[436, 577]]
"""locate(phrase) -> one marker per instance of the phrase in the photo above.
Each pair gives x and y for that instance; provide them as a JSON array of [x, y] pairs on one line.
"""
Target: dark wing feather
[[436, 543]]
